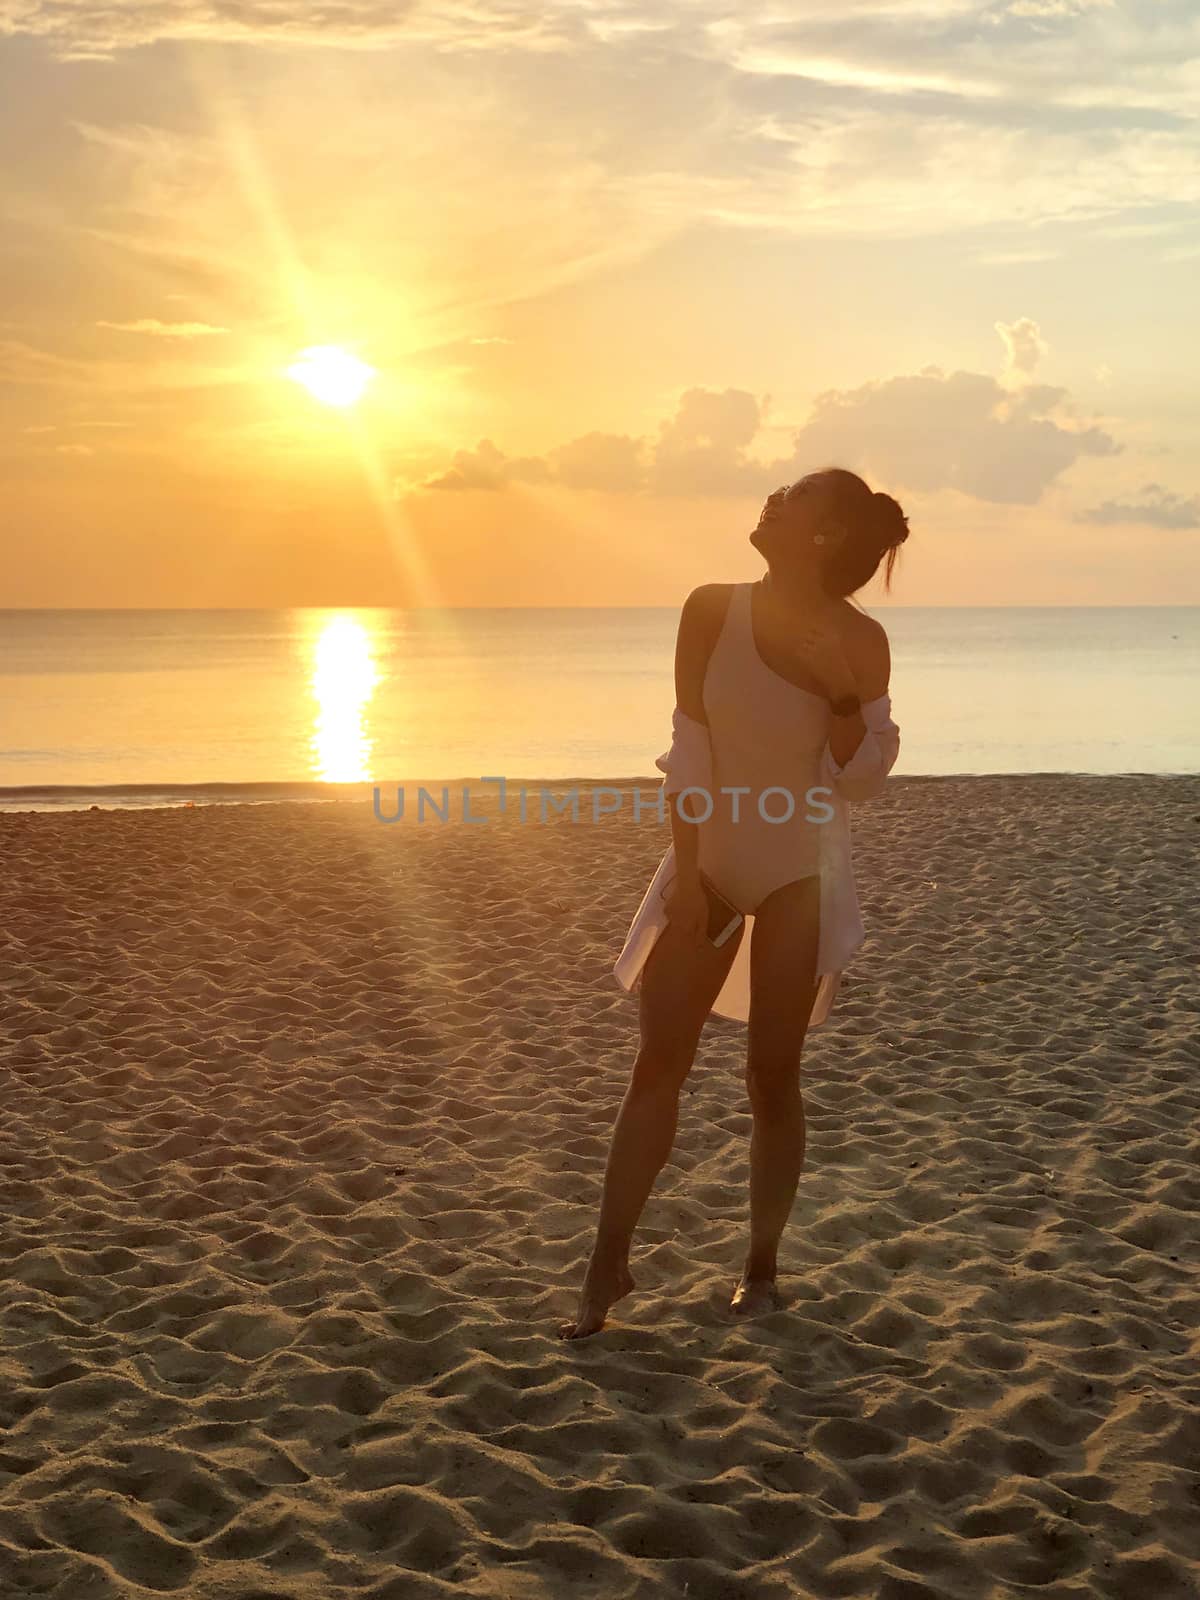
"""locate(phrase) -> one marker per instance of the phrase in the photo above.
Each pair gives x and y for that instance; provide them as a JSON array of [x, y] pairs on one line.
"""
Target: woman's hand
[[687, 907], [818, 641]]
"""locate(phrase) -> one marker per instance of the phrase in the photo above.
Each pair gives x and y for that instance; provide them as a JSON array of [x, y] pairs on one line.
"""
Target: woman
[[781, 690]]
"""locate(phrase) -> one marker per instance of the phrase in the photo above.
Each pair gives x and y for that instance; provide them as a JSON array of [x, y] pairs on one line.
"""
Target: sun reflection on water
[[343, 680]]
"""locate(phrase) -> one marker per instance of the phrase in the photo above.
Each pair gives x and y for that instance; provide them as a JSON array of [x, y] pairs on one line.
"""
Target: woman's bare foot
[[754, 1296], [604, 1283]]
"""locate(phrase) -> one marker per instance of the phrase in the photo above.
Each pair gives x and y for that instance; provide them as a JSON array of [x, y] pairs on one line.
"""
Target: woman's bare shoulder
[[866, 644], [860, 622], [705, 607], [708, 597]]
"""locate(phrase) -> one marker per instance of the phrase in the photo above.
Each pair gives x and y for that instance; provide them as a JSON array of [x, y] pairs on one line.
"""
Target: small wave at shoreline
[[138, 796]]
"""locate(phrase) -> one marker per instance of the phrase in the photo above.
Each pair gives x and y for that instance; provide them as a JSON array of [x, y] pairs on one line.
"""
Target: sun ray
[[295, 284]]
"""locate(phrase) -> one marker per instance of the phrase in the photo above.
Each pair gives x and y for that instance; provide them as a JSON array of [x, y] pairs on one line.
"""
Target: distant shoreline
[[56, 798]]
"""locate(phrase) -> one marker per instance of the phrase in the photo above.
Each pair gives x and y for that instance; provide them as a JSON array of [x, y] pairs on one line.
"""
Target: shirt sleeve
[[688, 762], [864, 774]]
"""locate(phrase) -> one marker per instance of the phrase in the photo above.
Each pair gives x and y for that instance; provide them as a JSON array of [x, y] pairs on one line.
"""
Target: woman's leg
[[783, 979], [681, 979]]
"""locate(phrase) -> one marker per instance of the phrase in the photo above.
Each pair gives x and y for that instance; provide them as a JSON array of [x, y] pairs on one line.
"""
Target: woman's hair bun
[[890, 522]]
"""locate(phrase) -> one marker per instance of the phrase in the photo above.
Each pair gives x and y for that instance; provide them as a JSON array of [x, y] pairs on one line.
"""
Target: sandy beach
[[304, 1127]]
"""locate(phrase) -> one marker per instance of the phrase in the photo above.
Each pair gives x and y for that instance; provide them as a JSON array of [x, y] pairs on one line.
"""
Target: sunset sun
[[331, 375]]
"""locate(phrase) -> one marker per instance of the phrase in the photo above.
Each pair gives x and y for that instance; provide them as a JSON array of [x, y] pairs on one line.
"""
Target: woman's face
[[790, 521]]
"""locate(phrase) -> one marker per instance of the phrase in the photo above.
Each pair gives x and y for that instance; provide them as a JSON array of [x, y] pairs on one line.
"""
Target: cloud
[[699, 450], [1157, 508], [87, 29], [486, 467], [702, 448], [1053, 8], [1006, 114], [169, 330], [961, 431], [1015, 258], [1023, 344], [94, 379], [884, 116], [611, 461], [22, 363], [929, 431]]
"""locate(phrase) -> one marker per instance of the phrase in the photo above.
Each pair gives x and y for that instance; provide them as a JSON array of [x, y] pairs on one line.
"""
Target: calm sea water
[[161, 700]]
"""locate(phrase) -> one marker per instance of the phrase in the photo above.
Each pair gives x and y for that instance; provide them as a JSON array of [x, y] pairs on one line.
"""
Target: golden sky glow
[[534, 305]]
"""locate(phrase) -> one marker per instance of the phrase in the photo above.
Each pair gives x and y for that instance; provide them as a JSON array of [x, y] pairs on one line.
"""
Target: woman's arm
[[693, 646], [865, 672], [688, 763], [693, 768], [862, 749]]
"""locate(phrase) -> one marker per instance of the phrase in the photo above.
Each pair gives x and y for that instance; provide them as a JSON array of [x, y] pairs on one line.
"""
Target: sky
[[620, 269]]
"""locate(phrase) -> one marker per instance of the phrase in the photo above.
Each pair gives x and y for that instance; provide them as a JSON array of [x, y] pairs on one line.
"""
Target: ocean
[[134, 707]]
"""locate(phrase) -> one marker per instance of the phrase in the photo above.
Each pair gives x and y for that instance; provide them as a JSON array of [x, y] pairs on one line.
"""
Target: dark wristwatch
[[847, 706]]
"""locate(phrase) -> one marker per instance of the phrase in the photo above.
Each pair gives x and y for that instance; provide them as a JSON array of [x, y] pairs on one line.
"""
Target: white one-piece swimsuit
[[767, 737], [765, 732]]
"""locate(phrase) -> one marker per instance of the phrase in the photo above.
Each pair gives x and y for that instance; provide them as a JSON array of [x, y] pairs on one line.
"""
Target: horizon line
[[355, 605]]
